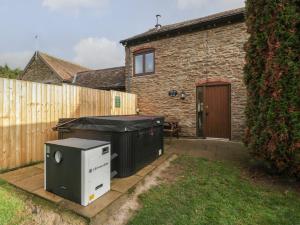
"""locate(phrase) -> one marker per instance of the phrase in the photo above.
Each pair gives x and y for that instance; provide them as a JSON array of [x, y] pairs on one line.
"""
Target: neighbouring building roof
[[105, 79], [63, 69], [203, 23]]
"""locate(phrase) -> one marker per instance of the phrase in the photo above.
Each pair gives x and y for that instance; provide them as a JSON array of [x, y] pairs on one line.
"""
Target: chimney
[[157, 26]]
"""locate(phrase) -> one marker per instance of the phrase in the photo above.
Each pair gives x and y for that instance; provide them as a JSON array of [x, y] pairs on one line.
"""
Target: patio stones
[[160, 160], [40, 166], [93, 209], [122, 185], [145, 170], [32, 183], [20, 174], [47, 195], [31, 179]]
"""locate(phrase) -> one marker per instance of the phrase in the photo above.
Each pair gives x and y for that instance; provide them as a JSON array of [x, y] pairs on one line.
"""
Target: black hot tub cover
[[113, 123]]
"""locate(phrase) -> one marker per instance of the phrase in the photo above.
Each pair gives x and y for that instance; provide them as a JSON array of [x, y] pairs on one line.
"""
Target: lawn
[[209, 192], [204, 192], [11, 206], [19, 208]]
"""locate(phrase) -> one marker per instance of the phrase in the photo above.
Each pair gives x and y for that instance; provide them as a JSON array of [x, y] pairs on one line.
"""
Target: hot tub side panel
[[135, 149]]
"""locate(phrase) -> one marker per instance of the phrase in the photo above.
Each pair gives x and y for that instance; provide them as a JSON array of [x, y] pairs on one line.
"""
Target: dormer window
[[144, 62]]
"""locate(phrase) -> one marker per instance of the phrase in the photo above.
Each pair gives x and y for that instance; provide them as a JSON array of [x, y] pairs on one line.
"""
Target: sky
[[87, 32]]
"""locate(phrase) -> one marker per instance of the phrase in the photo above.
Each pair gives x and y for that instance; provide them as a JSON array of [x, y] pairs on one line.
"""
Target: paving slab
[[93, 209], [32, 183], [20, 174], [40, 166], [146, 170], [124, 184], [31, 179], [102, 217], [160, 160], [47, 195]]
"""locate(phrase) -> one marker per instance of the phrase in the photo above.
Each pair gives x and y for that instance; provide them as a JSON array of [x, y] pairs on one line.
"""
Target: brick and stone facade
[[39, 71], [184, 61], [43, 68]]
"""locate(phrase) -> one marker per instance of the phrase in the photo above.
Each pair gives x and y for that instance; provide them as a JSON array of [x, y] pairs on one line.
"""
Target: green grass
[[13, 210], [215, 193], [11, 206]]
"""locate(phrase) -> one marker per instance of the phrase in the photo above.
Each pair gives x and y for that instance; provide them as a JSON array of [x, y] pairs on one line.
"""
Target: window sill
[[144, 74]]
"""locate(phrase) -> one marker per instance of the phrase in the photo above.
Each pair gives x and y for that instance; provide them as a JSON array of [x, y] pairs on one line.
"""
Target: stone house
[[192, 71], [43, 68]]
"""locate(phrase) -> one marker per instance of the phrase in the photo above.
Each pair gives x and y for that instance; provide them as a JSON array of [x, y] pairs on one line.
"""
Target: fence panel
[[29, 110], [122, 103]]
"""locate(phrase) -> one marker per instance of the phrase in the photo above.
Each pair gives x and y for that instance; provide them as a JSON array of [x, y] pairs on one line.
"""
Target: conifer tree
[[272, 77]]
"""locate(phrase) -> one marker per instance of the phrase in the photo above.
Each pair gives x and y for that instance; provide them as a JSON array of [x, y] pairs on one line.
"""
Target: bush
[[272, 77], [7, 72]]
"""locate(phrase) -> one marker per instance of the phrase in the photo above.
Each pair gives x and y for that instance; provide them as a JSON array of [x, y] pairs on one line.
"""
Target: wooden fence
[[28, 111]]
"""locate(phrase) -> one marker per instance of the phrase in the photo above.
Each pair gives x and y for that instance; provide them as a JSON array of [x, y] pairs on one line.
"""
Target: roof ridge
[[109, 77], [215, 15], [110, 68], [60, 59], [65, 70], [186, 24]]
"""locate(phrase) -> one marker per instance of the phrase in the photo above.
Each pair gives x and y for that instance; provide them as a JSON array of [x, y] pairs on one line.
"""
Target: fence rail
[[29, 110]]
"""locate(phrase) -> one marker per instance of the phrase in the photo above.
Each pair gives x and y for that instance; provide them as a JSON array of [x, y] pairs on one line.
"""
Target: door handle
[[206, 110]]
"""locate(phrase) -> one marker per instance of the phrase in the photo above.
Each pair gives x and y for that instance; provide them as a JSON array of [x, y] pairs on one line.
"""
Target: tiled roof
[[188, 26], [64, 69], [111, 78]]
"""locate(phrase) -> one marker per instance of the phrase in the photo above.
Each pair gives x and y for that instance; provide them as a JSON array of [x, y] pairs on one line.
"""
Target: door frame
[[204, 85]]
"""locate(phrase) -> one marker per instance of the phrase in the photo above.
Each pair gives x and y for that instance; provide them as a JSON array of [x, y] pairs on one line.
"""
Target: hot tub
[[135, 141]]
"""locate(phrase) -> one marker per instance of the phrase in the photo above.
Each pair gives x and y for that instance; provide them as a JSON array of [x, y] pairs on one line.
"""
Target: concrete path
[[220, 150]]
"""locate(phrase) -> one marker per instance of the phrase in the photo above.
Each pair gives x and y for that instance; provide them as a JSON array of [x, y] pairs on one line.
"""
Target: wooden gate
[[213, 108]]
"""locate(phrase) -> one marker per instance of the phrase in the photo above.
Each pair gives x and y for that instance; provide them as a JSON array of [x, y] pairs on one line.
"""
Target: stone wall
[[39, 72], [183, 61]]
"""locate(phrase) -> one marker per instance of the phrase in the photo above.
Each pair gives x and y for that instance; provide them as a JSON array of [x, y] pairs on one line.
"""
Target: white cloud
[[223, 4], [184, 4], [73, 5], [98, 53], [15, 59]]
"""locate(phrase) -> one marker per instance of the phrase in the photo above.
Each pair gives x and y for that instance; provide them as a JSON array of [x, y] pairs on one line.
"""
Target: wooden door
[[217, 111]]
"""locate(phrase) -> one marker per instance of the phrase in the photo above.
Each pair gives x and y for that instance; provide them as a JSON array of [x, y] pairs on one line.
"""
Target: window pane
[[138, 64], [149, 62]]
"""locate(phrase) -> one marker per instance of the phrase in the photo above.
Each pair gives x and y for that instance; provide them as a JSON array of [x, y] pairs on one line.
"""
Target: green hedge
[[272, 77], [7, 72]]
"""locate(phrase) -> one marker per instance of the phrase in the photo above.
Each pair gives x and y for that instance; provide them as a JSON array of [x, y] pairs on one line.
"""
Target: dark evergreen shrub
[[272, 77]]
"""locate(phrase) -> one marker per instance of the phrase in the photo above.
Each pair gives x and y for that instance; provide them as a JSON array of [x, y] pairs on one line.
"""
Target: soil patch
[[164, 173], [42, 214], [259, 174]]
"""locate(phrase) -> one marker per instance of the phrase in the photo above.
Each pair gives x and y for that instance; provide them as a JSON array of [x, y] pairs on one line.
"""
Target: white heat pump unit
[[77, 169]]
